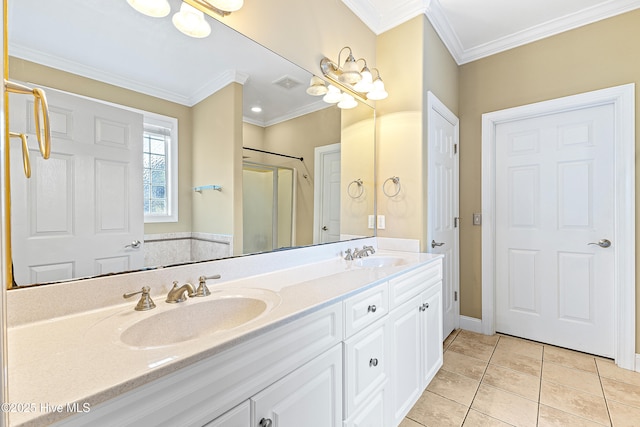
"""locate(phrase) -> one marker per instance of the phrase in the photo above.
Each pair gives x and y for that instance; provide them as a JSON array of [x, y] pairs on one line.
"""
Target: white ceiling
[[111, 42], [473, 29]]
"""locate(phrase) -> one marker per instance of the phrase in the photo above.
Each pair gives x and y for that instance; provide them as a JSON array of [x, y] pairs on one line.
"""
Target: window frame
[[170, 123]]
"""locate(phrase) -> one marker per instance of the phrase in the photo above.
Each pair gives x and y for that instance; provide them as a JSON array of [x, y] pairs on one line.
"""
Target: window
[[159, 171]]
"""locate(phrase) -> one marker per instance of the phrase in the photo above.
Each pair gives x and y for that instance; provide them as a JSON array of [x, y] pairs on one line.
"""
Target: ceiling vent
[[287, 82]]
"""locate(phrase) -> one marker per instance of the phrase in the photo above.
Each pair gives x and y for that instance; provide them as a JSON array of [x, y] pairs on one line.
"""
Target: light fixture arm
[[206, 7], [340, 53]]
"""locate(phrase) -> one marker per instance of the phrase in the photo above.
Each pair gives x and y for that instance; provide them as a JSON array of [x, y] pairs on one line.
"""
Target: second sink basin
[[379, 261], [221, 311]]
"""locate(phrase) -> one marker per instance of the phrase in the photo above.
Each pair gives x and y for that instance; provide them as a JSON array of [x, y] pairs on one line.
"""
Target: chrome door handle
[[324, 228], [434, 244], [603, 243], [265, 422], [135, 244]]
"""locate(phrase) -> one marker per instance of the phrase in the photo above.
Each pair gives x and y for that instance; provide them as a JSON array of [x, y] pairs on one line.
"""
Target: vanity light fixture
[[153, 8], [347, 102], [317, 87], [190, 21], [353, 79], [333, 95]]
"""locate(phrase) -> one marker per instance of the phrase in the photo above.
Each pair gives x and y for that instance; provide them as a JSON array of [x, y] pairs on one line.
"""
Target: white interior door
[[327, 194], [80, 209], [554, 197], [443, 189]]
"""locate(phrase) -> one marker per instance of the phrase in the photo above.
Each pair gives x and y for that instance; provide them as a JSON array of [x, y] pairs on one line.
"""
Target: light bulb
[[190, 21], [153, 8]]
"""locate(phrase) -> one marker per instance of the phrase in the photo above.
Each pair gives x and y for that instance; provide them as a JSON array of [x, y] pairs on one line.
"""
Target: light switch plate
[[381, 222], [371, 222], [477, 219]]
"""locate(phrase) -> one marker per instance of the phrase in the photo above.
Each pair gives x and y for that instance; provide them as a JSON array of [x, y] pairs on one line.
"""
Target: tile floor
[[504, 381]]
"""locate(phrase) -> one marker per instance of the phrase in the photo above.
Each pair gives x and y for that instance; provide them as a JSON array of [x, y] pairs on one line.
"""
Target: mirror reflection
[[168, 149]]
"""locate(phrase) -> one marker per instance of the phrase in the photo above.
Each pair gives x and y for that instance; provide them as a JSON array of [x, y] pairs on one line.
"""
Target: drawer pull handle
[[372, 309], [424, 307], [265, 422], [373, 362]]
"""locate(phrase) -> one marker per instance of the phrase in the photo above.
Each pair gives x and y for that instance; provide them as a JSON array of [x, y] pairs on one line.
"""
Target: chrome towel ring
[[357, 192], [396, 182]]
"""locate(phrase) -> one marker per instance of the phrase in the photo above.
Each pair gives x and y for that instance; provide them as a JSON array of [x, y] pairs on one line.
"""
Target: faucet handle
[[348, 256], [202, 290], [145, 303]]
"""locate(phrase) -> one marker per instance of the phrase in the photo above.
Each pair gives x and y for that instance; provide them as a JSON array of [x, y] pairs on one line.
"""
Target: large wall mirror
[[168, 149]]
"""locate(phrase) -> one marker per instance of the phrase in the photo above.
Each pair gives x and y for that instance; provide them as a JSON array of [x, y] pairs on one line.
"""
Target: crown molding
[[380, 19], [39, 57], [306, 109], [549, 28], [212, 86]]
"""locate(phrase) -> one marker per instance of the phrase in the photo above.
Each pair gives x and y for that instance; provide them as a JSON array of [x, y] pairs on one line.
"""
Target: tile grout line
[[480, 383], [604, 394]]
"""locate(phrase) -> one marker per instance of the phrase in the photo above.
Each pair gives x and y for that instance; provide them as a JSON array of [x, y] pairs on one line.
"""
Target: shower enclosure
[[268, 205]]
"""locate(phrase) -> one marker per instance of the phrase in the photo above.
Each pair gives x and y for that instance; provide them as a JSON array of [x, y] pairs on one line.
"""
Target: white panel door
[[443, 221], [328, 194], [554, 196], [82, 206]]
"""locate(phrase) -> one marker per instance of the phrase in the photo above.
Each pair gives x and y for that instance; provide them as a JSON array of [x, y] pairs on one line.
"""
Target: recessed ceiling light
[[256, 109]]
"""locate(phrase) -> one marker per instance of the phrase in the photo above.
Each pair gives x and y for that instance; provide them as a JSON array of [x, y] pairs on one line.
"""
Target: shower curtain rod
[[272, 153]]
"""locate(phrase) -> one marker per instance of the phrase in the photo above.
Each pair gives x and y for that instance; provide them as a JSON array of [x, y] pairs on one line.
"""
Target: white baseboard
[[637, 362], [471, 324]]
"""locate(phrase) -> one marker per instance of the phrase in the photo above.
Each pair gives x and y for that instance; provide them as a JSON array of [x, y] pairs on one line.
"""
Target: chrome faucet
[[348, 256], [365, 251], [176, 294]]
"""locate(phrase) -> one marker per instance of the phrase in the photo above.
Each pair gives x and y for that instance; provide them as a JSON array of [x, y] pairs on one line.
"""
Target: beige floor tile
[[624, 415], [471, 348], [520, 346], [452, 336], [570, 359], [506, 359], [478, 419], [574, 401], [608, 369], [484, 339], [454, 387], [435, 411], [574, 378], [525, 385], [621, 392], [504, 406], [407, 422], [551, 417], [464, 365]]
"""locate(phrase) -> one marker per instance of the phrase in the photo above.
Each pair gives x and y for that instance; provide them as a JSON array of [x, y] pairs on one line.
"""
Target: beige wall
[[413, 61], [217, 160], [34, 73], [297, 137], [596, 56]]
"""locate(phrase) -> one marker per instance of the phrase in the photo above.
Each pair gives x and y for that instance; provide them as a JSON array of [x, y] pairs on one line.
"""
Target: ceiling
[[109, 41], [473, 29]]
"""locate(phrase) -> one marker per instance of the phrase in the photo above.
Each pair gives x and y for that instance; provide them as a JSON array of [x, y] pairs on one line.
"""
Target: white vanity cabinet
[[240, 416], [311, 396], [416, 336]]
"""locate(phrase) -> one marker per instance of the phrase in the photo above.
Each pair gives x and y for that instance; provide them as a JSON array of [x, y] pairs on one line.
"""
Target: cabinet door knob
[[373, 362], [372, 309], [265, 422]]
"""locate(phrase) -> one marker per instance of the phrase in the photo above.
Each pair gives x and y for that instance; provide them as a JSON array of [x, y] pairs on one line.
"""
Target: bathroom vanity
[[323, 343]]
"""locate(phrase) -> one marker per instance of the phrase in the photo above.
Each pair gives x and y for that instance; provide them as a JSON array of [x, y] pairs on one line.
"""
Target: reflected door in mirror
[[82, 206]]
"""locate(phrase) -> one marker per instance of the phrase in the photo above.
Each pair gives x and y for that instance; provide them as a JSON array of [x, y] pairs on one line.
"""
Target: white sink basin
[[379, 261], [198, 317]]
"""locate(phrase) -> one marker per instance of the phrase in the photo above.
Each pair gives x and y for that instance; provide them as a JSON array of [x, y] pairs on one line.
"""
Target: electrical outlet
[[381, 222], [371, 222], [477, 219]]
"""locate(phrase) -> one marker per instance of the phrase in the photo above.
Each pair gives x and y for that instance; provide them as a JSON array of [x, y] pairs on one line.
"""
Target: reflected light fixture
[[190, 21], [333, 95], [317, 87], [226, 5], [347, 102], [153, 8], [353, 79]]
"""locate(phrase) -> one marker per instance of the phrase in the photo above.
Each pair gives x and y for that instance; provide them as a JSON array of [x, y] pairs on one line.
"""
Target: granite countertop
[[81, 358]]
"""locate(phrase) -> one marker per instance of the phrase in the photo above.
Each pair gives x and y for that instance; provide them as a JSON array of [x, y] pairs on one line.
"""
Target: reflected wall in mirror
[[124, 91]]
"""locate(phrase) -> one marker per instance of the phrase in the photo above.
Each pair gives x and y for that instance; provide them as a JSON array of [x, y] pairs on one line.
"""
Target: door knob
[[434, 244], [135, 244], [265, 422], [603, 243], [324, 228]]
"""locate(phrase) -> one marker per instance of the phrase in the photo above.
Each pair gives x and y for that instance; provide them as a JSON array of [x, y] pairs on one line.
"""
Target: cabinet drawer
[[365, 308], [405, 287], [365, 365], [240, 416]]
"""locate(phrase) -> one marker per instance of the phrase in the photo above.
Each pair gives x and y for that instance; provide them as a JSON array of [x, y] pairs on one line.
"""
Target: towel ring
[[360, 190], [396, 181]]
